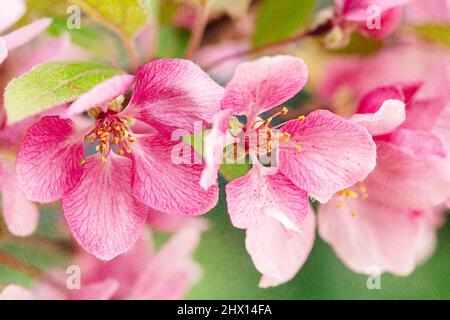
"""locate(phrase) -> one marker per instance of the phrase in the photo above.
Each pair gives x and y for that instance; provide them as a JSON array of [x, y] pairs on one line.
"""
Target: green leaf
[[234, 170], [124, 16], [172, 42], [52, 84], [277, 20], [435, 32], [360, 45]]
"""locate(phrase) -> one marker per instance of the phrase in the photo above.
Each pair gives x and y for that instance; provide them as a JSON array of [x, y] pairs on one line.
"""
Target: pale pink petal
[[385, 120], [165, 222], [419, 142], [125, 269], [173, 270], [101, 95], [101, 212], [389, 21], [261, 195], [21, 216], [279, 253], [425, 115], [48, 163], [262, 84], [3, 50], [15, 292], [174, 93], [10, 12], [103, 290], [369, 236], [425, 11], [336, 154], [373, 101], [215, 142], [25, 34], [166, 185], [407, 179]]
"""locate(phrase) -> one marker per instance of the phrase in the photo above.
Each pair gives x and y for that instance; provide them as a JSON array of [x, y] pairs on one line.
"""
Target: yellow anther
[[348, 193], [298, 148], [82, 162], [268, 121], [354, 214], [120, 152], [116, 140], [132, 139], [301, 118], [340, 204], [284, 111], [103, 159], [97, 148]]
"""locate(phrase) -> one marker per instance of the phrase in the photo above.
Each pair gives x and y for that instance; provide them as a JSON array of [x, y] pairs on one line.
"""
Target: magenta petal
[[263, 84], [260, 195], [174, 93], [48, 163], [10, 12], [101, 212], [165, 185], [279, 253], [356, 10], [101, 95], [23, 35], [336, 154], [386, 119], [375, 235], [21, 216]]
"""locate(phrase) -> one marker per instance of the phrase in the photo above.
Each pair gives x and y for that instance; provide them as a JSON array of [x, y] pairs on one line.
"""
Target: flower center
[[111, 134], [360, 193]]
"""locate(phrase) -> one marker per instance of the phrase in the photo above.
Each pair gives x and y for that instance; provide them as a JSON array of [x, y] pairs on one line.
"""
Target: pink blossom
[[139, 274], [108, 176], [318, 154], [424, 11], [358, 13], [10, 13], [388, 221]]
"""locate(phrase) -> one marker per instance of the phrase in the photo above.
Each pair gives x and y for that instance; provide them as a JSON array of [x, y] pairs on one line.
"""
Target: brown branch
[[199, 29]]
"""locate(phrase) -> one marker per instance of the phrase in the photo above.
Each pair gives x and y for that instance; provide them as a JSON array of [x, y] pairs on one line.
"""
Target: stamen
[[298, 148], [301, 118], [354, 214], [82, 162]]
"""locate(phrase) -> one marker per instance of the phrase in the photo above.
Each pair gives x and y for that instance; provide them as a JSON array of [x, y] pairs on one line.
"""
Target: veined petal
[[259, 196], [262, 84], [101, 95], [335, 154], [279, 253], [25, 34], [21, 216], [48, 163], [165, 185], [385, 120], [174, 93], [101, 212]]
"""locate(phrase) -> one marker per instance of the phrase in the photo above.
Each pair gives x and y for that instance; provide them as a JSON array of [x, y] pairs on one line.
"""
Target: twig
[[199, 29]]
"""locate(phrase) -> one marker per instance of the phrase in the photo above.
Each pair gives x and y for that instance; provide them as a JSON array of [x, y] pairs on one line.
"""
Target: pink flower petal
[[279, 253], [101, 212], [262, 84], [103, 290], [336, 154], [375, 235], [3, 50], [101, 95], [430, 144], [261, 195], [15, 292], [385, 120], [172, 271], [165, 222], [23, 35], [165, 185], [408, 179], [215, 142], [21, 216], [424, 11], [10, 12], [174, 93], [356, 10], [48, 163]]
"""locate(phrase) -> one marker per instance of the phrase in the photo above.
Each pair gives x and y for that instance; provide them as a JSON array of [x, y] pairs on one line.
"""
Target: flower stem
[[302, 35], [199, 29], [16, 264]]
